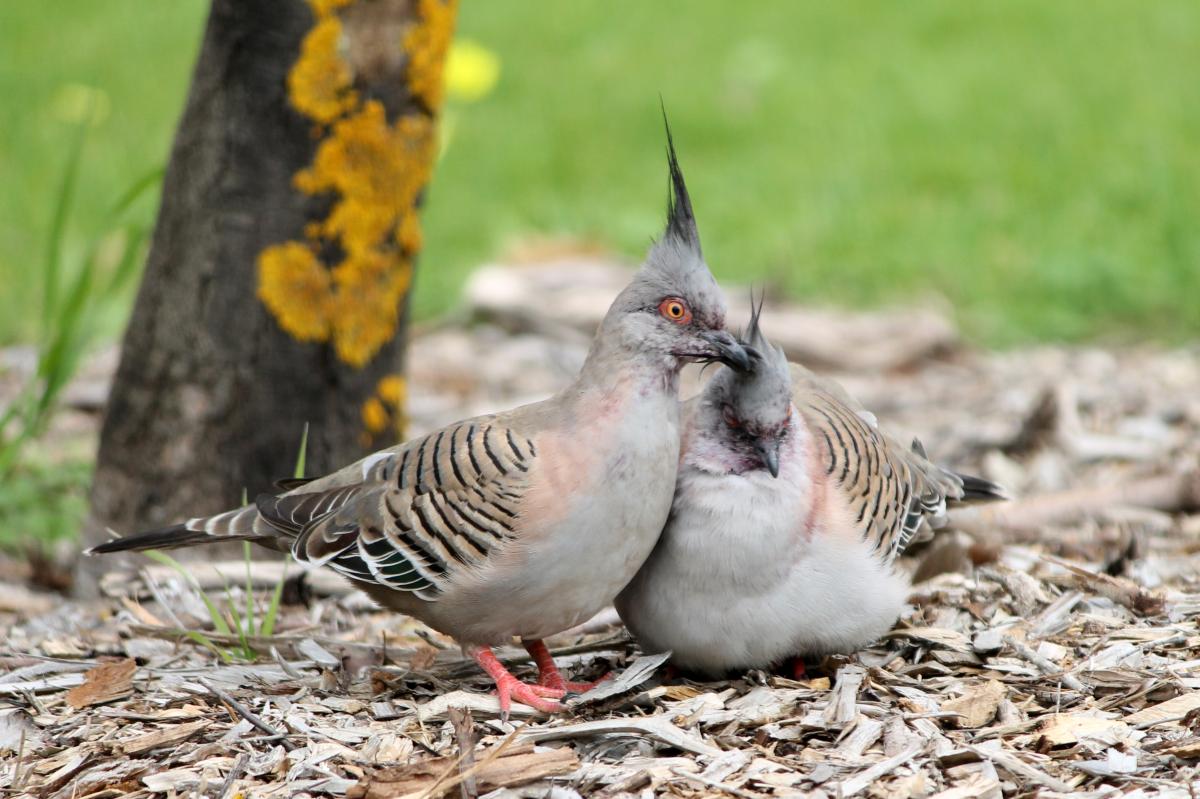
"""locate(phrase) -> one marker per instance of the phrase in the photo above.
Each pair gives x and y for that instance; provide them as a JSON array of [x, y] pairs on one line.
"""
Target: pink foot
[[557, 682], [508, 687], [548, 674]]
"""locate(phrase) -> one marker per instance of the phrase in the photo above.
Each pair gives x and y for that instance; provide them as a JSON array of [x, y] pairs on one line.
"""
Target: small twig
[[1145, 725], [266, 738], [464, 734], [1045, 666], [34, 702], [1015, 765], [708, 782], [933, 714], [867, 777], [245, 713], [1171, 640], [446, 782], [17, 776], [235, 772], [1008, 729]]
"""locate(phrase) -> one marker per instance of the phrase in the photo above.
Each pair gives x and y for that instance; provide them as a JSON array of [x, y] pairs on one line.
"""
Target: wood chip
[[843, 707], [1174, 709], [1015, 765], [934, 636], [637, 673], [509, 771], [864, 779], [658, 728], [1070, 728], [164, 736], [1099, 685]]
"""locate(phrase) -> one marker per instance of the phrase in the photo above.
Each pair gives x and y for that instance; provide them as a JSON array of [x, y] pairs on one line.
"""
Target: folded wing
[[891, 490]]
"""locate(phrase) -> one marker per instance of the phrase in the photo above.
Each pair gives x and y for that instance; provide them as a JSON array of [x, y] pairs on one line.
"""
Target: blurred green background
[[1032, 165]]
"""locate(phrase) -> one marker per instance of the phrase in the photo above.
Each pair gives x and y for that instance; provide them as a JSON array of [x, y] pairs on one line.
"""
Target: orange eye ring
[[675, 310]]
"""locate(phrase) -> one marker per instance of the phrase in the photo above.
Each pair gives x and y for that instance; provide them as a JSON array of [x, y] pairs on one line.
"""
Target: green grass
[[1034, 163], [43, 502]]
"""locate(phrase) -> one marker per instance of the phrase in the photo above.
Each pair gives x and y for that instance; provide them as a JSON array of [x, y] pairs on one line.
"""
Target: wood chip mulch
[[1050, 648]]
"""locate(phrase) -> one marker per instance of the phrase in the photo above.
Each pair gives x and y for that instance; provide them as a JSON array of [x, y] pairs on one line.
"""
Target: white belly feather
[[738, 581]]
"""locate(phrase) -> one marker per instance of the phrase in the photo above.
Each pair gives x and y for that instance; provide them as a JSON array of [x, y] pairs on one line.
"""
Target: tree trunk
[[276, 287]]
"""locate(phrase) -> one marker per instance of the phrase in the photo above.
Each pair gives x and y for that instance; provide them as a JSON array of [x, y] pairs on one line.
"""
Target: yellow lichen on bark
[[320, 83], [427, 44], [366, 305], [323, 8], [296, 287], [384, 410], [375, 171]]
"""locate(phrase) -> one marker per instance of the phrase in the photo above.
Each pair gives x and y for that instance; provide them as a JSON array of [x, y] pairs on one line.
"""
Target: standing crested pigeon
[[522, 523], [789, 511]]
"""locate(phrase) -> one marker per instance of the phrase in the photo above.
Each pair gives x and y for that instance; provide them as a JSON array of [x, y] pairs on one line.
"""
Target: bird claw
[[538, 697], [554, 680], [508, 687], [549, 691]]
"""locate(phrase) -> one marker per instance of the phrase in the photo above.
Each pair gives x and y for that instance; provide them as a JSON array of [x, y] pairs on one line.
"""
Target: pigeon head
[[750, 411], [673, 306]]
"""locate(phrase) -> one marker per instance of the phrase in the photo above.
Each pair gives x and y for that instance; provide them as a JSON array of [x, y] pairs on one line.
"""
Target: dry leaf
[[423, 658], [104, 683], [977, 706]]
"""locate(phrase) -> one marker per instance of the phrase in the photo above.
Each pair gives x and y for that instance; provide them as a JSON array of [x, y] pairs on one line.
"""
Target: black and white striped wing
[[440, 503], [891, 491]]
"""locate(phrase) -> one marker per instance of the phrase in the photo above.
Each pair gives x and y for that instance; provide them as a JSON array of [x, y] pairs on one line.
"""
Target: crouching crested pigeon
[[789, 511], [522, 523]]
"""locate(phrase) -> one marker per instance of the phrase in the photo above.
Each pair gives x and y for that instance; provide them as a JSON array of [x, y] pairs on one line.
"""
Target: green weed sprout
[[232, 622]]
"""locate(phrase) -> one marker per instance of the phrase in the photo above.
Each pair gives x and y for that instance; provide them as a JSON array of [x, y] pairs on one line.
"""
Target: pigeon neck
[[612, 361]]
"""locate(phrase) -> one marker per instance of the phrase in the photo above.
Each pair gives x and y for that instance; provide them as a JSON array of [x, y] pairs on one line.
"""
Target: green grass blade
[[58, 360], [147, 181], [234, 617], [249, 590], [267, 627], [207, 643], [303, 456], [213, 612], [52, 268], [127, 267]]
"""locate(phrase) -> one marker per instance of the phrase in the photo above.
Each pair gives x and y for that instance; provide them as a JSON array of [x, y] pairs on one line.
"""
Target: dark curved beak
[[726, 349], [769, 451]]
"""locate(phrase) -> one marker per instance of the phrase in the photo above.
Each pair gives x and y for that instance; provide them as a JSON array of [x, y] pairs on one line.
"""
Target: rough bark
[[213, 392]]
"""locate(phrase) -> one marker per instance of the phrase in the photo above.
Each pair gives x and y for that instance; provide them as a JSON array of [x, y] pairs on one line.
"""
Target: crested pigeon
[[526, 522], [790, 510]]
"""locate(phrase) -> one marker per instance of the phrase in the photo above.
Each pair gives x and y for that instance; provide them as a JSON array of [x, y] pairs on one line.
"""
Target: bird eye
[[729, 417], [675, 309]]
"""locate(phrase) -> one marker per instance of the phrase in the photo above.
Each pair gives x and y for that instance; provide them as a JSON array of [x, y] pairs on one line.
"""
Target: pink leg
[[548, 673], [509, 687]]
